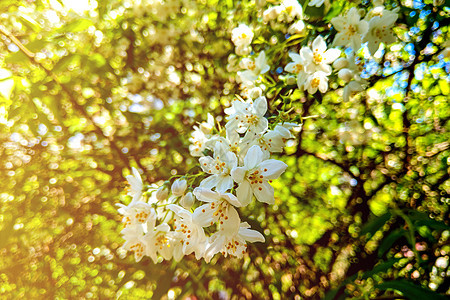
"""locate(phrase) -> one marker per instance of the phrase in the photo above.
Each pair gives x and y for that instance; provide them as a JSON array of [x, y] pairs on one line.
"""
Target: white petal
[[202, 215], [261, 126], [244, 193], [238, 174], [272, 168], [253, 157], [251, 235], [260, 106], [339, 23], [206, 195], [264, 192], [295, 57], [215, 247], [224, 184], [319, 44], [331, 55], [232, 199], [306, 53], [230, 226], [211, 181]]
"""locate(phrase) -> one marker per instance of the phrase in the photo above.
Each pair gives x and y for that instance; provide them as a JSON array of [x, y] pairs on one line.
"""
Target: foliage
[[361, 211]]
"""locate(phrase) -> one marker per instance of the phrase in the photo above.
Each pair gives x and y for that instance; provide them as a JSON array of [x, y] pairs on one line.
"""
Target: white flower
[[313, 82], [256, 68], [192, 235], [247, 116], [243, 50], [137, 213], [250, 90], [242, 36], [220, 209], [200, 136], [297, 65], [178, 187], [319, 57], [187, 200], [350, 73], [232, 244], [135, 241], [272, 13], [297, 28], [270, 142], [136, 185], [350, 29], [380, 31], [198, 141], [219, 167], [162, 241], [379, 10], [162, 193], [292, 8], [317, 3], [253, 177]]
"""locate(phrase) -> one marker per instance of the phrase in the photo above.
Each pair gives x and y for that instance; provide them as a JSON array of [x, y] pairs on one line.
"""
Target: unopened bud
[[345, 74], [290, 80], [340, 63], [187, 200], [161, 193], [178, 187], [243, 50]]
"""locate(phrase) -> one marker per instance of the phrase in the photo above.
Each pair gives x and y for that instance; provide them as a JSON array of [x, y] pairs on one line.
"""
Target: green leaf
[[410, 290], [335, 10], [29, 22], [98, 60], [381, 268], [76, 26], [163, 285], [375, 224], [65, 62], [390, 240], [433, 224], [16, 57]]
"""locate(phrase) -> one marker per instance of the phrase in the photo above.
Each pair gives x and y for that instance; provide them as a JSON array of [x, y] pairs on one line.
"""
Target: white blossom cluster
[[171, 224], [375, 28], [199, 214]]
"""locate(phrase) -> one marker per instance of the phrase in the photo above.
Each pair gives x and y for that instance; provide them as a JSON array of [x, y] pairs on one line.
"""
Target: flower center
[[298, 68], [252, 119], [351, 30], [315, 82], [317, 57], [255, 177], [138, 248], [141, 217], [161, 241]]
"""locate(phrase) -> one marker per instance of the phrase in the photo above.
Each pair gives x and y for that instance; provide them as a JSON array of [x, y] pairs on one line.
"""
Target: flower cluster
[[199, 213], [204, 219]]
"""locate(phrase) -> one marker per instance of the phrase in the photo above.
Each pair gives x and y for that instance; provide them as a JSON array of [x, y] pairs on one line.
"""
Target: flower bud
[[187, 200], [178, 187], [255, 92], [243, 50], [345, 74], [297, 28], [162, 192], [290, 80], [340, 63]]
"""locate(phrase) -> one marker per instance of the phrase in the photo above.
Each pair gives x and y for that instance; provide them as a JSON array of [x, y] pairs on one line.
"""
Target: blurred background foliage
[[90, 88]]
